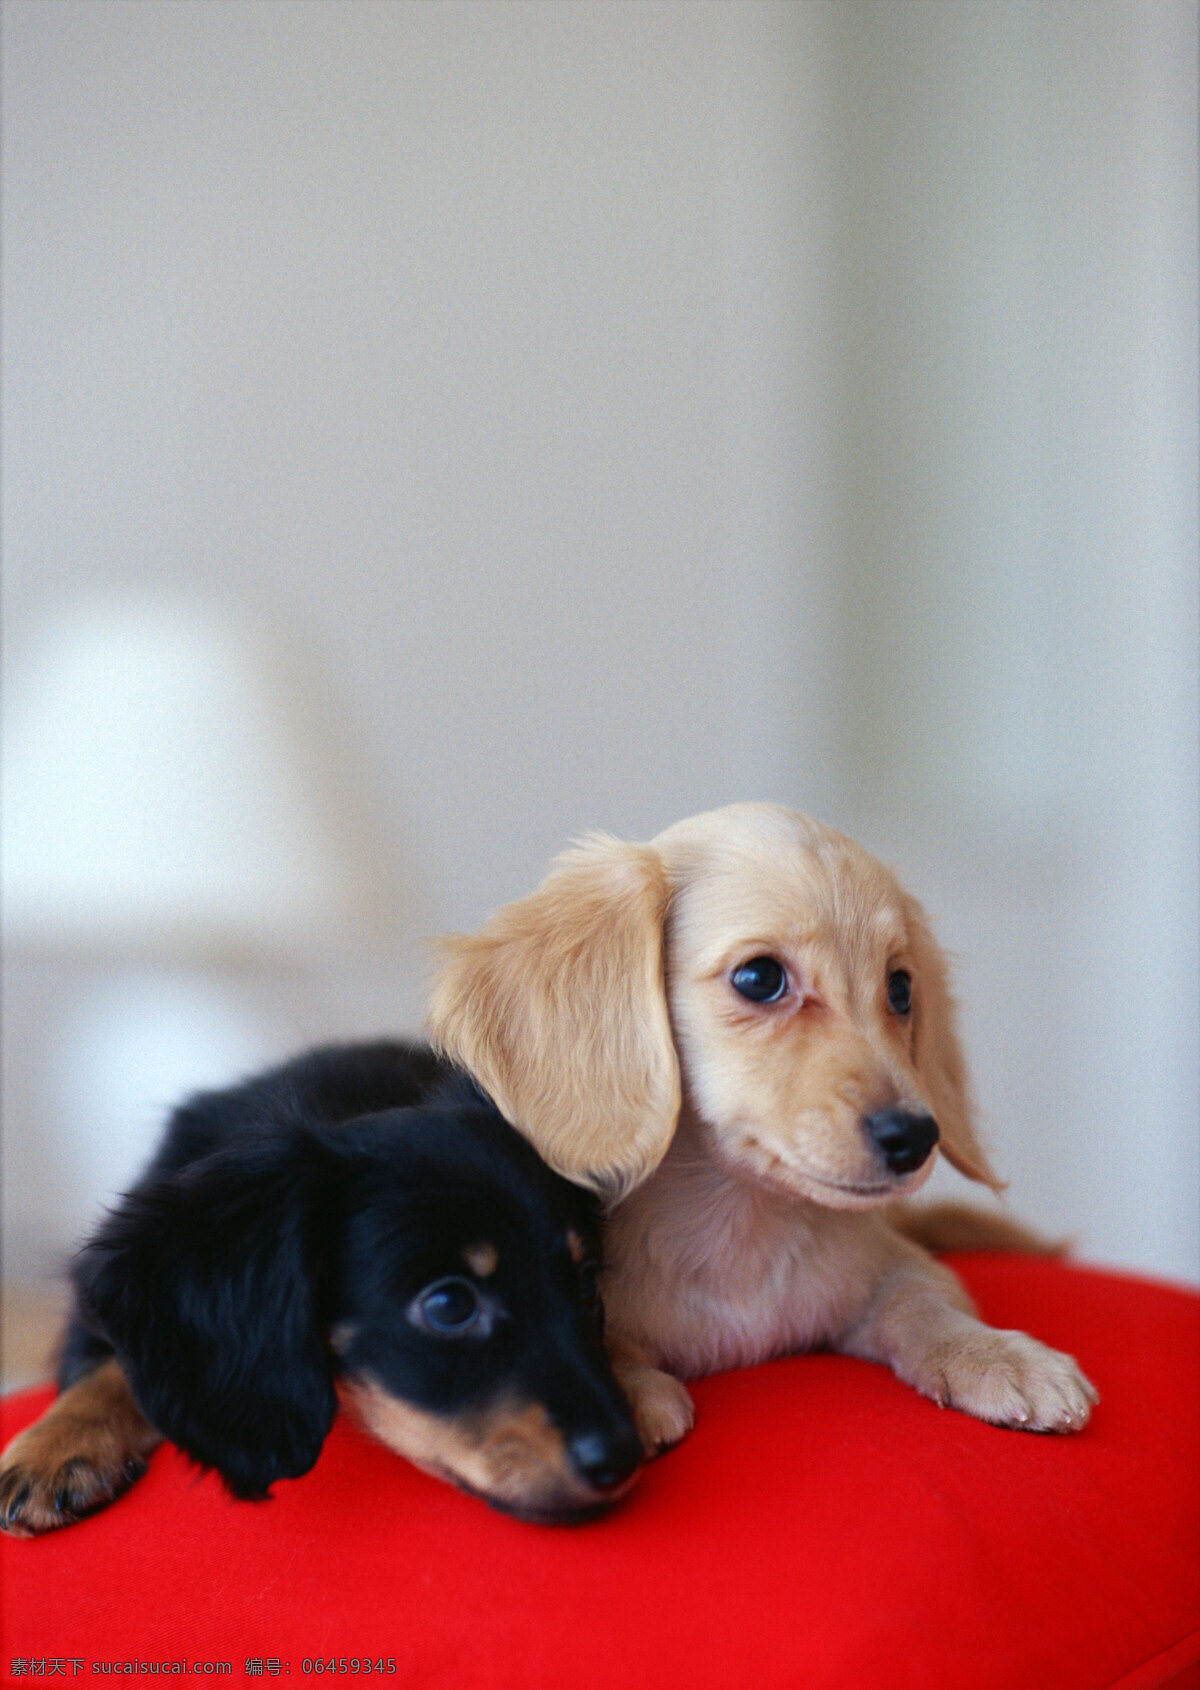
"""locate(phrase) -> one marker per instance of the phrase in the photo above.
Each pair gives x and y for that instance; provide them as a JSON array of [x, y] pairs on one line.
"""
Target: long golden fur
[[751, 1211]]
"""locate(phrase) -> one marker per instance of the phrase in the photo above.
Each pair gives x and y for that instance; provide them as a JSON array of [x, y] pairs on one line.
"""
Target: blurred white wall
[[1016, 247], [621, 407]]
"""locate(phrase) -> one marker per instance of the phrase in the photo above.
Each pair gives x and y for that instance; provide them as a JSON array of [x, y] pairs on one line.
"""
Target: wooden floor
[[30, 1319]]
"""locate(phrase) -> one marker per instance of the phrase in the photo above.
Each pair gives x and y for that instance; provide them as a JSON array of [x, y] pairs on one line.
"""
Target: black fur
[[280, 1237]]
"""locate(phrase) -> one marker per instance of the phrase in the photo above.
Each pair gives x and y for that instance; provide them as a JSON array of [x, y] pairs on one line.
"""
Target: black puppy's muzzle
[[600, 1465], [904, 1139], [605, 1458]]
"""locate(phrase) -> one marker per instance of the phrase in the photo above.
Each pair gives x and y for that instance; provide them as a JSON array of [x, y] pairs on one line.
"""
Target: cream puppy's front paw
[[662, 1409], [661, 1406], [1009, 1379]]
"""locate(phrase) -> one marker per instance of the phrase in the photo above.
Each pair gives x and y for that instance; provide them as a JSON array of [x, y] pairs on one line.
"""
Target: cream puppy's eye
[[899, 991], [762, 979]]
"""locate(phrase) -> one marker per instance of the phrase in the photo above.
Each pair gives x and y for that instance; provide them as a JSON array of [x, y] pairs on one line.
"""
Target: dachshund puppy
[[741, 1035], [360, 1221]]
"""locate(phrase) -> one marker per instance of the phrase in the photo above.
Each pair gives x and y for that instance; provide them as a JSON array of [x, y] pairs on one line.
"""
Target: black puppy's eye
[[899, 991], [449, 1308], [762, 979]]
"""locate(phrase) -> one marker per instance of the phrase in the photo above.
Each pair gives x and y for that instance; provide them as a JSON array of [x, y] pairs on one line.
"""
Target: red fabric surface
[[822, 1527]]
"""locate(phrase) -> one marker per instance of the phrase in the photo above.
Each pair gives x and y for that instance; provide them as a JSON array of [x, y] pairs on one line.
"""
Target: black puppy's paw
[[91, 1444], [33, 1502]]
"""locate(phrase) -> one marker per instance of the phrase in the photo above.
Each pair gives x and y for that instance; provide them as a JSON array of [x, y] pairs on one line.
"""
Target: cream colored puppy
[[742, 1034]]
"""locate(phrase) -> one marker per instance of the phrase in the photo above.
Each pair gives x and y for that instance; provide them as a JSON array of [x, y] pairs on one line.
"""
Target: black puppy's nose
[[904, 1139], [605, 1459]]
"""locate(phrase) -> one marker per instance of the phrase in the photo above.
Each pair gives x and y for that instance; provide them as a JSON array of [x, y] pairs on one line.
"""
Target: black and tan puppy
[[359, 1222]]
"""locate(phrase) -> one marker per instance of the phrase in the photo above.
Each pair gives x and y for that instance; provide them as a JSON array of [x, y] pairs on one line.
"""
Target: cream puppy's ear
[[939, 1057], [558, 1009]]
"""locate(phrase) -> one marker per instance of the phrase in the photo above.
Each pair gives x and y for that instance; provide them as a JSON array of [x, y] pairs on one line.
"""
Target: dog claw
[[15, 1505]]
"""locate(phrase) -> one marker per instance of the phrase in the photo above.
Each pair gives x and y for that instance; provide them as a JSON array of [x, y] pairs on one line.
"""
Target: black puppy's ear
[[209, 1285]]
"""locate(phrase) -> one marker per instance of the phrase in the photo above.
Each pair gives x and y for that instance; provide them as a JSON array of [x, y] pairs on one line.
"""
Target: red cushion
[[823, 1526]]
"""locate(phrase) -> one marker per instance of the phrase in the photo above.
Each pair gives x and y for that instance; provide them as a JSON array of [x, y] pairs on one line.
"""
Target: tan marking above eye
[[342, 1336], [482, 1259], [576, 1246]]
